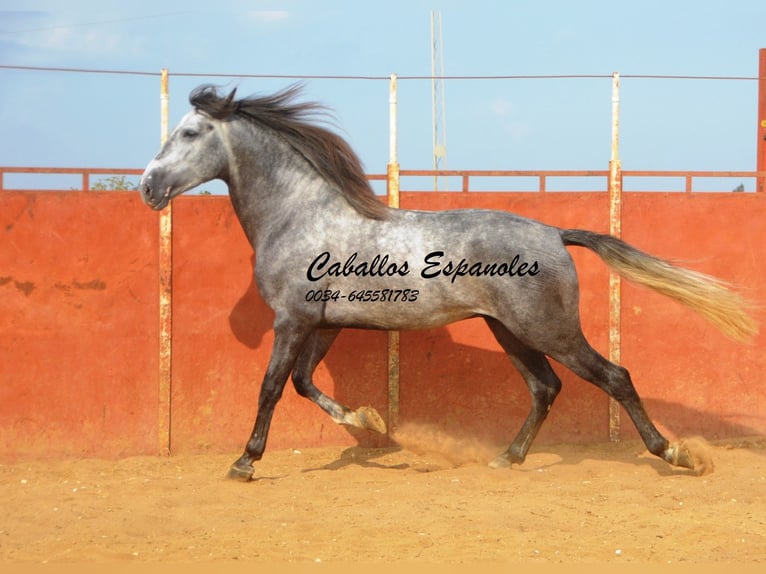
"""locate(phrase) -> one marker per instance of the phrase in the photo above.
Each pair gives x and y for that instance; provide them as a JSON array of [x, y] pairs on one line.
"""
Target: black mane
[[330, 154]]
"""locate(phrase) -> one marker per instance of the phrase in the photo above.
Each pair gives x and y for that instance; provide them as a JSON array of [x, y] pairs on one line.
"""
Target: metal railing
[[90, 178], [85, 176]]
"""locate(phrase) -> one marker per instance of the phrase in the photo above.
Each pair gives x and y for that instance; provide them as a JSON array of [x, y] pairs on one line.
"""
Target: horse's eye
[[189, 133]]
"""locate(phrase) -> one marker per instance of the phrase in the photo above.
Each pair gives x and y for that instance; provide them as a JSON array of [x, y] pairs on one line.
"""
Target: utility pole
[[438, 110]]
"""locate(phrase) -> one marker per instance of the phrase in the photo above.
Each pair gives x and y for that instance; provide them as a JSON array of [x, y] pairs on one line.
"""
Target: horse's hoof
[[371, 419], [500, 462], [679, 455], [242, 474], [691, 453]]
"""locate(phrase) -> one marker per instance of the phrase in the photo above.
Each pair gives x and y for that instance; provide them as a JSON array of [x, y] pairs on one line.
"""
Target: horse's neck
[[276, 192]]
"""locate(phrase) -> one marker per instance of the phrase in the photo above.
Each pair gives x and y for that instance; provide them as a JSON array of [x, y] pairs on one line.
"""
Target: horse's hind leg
[[615, 380], [544, 385], [315, 348]]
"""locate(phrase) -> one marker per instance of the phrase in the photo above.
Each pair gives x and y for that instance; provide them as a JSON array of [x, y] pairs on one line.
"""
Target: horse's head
[[193, 154]]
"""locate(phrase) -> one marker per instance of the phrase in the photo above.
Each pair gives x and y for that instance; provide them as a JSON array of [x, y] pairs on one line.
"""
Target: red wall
[[79, 331], [693, 379], [78, 325]]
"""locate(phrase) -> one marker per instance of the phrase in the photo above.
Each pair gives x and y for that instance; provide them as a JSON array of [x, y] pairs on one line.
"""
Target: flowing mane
[[327, 152]]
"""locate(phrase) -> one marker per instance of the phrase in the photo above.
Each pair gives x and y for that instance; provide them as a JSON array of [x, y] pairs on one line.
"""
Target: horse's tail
[[707, 295]]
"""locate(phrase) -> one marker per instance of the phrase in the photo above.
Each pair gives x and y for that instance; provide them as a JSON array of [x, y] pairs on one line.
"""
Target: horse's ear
[[229, 99], [206, 99]]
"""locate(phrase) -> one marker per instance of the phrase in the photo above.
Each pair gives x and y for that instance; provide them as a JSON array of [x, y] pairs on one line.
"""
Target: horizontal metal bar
[[466, 175], [75, 170]]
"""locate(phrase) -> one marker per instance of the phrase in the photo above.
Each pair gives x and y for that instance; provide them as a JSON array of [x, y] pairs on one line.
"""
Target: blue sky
[[109, 120]]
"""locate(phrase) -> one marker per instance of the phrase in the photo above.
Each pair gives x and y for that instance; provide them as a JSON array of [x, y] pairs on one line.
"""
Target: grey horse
[[329, 254]]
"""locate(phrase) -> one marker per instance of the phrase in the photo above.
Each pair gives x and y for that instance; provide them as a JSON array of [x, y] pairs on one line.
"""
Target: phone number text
[[363, 296]]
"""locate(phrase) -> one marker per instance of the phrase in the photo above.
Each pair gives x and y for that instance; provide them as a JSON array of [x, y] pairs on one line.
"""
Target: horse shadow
[[497, 407]]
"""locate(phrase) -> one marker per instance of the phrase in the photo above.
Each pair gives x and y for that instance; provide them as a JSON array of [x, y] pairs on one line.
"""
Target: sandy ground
[[434, 502]]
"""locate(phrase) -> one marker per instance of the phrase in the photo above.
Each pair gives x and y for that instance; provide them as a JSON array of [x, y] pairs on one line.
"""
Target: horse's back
[[423, 269]]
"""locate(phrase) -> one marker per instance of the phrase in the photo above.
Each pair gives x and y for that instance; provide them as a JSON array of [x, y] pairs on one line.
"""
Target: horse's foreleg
[[288, 341], [544, 385], [315, 349]]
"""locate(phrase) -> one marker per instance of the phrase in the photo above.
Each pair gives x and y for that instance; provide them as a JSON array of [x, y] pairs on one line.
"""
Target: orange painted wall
[[78, 316], [78, 331], [693, 379]]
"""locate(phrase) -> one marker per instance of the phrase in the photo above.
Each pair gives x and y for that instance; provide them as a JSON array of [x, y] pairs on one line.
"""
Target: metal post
[[392, 191], [615, 229], [165, 292], [393, 162], [761, 146]]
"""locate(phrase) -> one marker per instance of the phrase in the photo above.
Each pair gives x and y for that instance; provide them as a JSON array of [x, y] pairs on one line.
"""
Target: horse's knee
[[552, 390], [544, 394], [302, 384], [542, 401]]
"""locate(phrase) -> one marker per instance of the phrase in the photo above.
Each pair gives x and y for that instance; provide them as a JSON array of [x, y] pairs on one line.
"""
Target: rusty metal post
[[761, 146], [393, 161], [615, 229], [165, 293], [392, 191]]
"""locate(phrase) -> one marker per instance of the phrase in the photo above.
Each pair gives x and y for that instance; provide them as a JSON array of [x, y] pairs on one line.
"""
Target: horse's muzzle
[[153, 195]]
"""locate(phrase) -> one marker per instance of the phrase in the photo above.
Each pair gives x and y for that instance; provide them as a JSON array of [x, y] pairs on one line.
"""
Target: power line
[[371, 77], [77, 70]]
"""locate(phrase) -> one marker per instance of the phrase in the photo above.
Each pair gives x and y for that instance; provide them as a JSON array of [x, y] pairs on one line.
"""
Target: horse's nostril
[[145, 189]]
